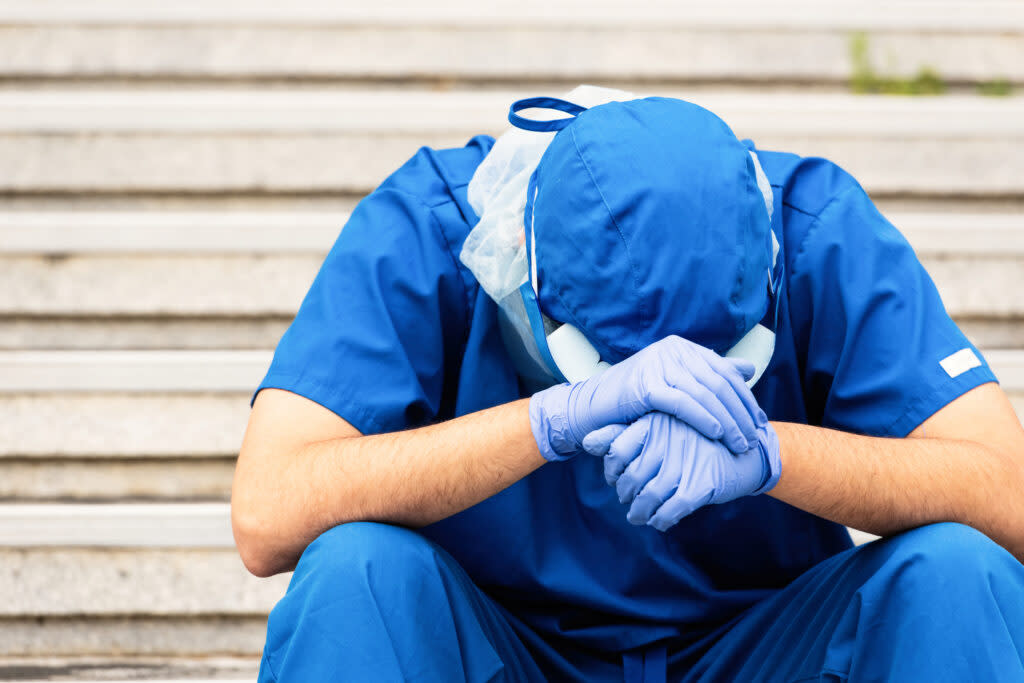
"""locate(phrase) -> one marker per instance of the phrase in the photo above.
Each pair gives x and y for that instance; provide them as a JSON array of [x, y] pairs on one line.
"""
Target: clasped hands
[[676, 426]]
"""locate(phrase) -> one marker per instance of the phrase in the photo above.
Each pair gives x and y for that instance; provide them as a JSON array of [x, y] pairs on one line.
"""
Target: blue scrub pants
[[371, 602]]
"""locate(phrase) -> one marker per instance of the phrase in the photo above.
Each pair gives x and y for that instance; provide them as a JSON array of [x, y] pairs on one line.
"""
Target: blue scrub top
[[396, 333]]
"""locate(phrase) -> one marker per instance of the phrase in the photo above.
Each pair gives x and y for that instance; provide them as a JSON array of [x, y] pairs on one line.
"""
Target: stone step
[[245, 333], [106, 479], [155, 426], [90, 582], [458, 40], [133, 579], [206, 264], [88, 372], [214, 372], [255, 287], [127, 669], [174, 332], [180, 232], [212, 258], [77, 233], [128, 636], [120, 525], [273, 286], [346, 142], [100, 405], [141, 424], [923, 15]]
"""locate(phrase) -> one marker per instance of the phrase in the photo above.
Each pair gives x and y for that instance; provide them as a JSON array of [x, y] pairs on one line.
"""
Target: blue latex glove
[[664, 470], [673, 376]]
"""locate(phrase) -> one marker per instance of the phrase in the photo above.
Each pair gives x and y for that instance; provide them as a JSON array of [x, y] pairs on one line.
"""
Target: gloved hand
[[673, 376], [664, 470]]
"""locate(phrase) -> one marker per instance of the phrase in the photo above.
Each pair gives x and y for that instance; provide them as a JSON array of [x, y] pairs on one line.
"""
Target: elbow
[[249, 544], [253, 539]]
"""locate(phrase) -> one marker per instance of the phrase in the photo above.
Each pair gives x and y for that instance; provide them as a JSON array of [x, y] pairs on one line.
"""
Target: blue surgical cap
[[648, 222]]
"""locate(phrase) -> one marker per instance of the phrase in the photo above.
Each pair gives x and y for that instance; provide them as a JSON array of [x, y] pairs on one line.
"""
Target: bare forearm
[[410, 478], [884, 486], [423, 475]]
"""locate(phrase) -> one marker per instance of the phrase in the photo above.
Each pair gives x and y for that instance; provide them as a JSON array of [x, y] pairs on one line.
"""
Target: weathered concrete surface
[[994, 333], [189, 372], [173, 232], [162, 425], [79, 669], [346, 142], [193, 233], [116, 525], [914, 15], [156, 286], [121, 636], [255, 333], [104, 480], [59, 163], [273, 286], [151, 332], [138, 582], [567, 52], [124, 426]]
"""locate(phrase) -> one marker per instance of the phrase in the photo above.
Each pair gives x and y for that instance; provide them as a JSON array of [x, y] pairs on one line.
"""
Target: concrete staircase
[[171, 175]]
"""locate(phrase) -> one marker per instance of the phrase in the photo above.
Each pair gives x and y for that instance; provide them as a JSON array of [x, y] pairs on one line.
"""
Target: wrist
[[768, 446], [549, 423]]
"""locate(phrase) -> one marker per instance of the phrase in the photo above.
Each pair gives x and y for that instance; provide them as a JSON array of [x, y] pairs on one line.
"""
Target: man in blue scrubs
[[444, 518]]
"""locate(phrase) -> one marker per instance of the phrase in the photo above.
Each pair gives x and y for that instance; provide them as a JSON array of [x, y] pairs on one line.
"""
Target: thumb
[[745, 367], [600, 440]]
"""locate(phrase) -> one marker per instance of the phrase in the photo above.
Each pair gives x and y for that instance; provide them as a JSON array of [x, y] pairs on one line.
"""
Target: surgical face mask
[[500, 252]]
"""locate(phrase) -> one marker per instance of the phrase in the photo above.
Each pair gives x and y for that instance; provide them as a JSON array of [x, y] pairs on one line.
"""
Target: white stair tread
[[156, 636], [279, 232], [126, 667], [131, 371], [336, 143], [813, 114], [983, 15], [142, 680], [220, 371], [133, 525], [168, 232], [122, 425], [199, 525], [129, 668]]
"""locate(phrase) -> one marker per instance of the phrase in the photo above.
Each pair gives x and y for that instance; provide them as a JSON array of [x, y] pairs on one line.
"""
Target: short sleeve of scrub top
[[882, 354], [383, 321]]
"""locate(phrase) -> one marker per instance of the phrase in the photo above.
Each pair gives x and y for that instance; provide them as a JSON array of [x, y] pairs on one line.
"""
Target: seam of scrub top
[[270, 666], [927, 403], [459, 267], [814, 226], [297, 384]]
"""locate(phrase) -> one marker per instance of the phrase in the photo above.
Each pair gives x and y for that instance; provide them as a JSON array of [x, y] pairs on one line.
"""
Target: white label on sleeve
[[960, 362]]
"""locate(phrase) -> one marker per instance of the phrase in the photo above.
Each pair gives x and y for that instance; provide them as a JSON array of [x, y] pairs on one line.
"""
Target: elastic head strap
[[540, 337], [543, 103]]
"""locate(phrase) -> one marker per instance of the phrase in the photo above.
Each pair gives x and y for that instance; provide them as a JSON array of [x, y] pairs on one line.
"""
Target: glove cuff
[[550, 424], [768, 445]]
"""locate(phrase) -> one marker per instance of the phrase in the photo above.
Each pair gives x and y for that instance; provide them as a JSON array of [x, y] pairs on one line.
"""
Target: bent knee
[[365, 550], [940, 551]]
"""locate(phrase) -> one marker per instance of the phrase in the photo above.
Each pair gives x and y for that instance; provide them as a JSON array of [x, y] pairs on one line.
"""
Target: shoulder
[[805, 184], [439, 177], [818, 202], [422, 206], [434, 182]]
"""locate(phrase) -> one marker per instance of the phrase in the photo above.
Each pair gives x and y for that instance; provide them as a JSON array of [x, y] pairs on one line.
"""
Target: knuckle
[[718, 383], [703, 394]]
